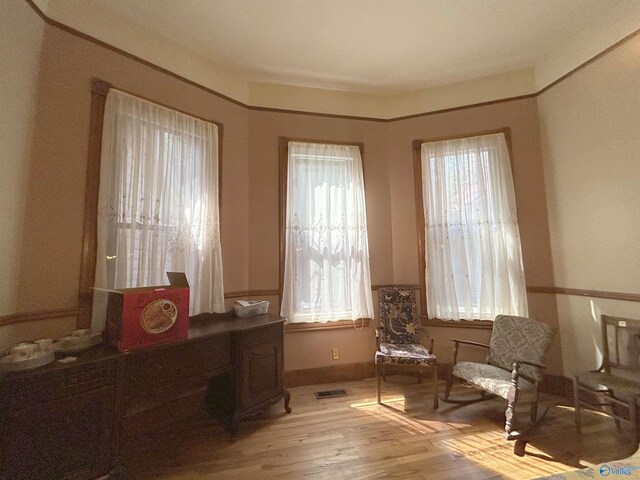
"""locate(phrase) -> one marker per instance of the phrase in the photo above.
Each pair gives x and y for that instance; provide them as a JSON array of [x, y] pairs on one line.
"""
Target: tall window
[[473, 267], [326, 267], [158, 200]]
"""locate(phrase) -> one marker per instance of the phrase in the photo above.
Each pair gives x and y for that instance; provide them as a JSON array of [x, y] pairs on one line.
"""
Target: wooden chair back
[[519, 338], [399, 321], [621, 346]]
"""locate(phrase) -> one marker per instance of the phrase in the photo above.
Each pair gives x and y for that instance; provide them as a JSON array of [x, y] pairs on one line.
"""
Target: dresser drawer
[[261, 334], [21, 391], [174, 362]]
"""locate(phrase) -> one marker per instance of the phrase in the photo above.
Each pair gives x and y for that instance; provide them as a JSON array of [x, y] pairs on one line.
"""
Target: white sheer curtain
[[326, 275], [473, 256], [158, 200]]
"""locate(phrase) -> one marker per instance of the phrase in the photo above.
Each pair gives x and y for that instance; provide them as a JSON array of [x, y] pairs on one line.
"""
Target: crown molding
[[125, 38]]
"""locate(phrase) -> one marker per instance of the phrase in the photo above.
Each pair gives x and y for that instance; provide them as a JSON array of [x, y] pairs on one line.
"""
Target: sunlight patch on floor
[[492, 452], [392, 411], [375, 403], [584, 409]]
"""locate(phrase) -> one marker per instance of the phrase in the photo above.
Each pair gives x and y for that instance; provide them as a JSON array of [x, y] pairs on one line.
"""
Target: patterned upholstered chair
[[514, 368], [398, 337]]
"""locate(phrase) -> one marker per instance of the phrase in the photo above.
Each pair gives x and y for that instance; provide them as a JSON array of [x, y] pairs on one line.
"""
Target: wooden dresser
[[71, 421]]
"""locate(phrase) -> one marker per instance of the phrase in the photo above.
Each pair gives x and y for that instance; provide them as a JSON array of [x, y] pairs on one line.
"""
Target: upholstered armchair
[[398, 338], [513, 371]]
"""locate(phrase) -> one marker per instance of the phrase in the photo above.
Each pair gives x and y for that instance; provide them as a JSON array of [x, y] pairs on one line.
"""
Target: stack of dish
[[78, 341], [27, 355]]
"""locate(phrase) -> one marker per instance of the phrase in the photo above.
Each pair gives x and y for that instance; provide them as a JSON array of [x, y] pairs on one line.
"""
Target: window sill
[[309, 327], [436, 322]]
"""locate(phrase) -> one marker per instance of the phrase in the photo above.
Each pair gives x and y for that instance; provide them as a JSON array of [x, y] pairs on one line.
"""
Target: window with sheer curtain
[[158, 200], [326, 265], [473, 256]]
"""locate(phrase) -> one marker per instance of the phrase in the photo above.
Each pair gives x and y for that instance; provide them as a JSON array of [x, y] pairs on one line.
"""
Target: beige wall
[[250, 200], [50, 264], [20, 59], [49, 257], [590, 126]]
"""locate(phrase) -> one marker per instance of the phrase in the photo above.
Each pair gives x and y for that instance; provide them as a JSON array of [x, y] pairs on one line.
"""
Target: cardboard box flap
[[178, 279]]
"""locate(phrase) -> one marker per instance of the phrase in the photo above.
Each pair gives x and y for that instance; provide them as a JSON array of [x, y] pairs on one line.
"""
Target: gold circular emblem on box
[[159, 316]]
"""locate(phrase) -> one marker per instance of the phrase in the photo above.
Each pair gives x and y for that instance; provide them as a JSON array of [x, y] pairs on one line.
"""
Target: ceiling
[[378, 59], [366, 46]]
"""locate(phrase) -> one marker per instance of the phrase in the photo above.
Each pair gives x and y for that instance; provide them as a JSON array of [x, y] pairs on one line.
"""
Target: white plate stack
[[78, 341], [28, 355]]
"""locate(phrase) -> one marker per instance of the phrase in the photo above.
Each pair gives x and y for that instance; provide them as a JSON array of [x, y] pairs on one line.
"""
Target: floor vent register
[[331, 393]]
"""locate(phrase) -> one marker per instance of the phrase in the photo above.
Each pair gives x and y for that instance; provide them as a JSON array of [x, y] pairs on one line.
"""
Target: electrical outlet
[[335, 354]]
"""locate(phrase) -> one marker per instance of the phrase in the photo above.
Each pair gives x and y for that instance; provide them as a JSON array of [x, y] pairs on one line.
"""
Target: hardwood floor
[[352, 437]]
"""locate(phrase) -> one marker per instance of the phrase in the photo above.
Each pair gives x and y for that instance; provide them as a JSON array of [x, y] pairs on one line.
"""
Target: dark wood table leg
[[287, 398], [435, 387], [234, 427]]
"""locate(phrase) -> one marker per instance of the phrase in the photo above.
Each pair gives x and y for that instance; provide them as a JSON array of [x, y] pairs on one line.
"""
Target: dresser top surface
[[200, 326], [211, 324]]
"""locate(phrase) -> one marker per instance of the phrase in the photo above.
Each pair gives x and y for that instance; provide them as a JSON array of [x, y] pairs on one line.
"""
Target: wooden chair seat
[[404, 354], [623, 388]]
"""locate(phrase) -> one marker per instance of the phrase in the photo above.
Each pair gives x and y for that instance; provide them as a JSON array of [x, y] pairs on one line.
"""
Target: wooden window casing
[[99, 91], [283, 159], [420, 226]]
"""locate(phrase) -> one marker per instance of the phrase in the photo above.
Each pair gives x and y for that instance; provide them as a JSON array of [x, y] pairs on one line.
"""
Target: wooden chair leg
[[384, 373], [435, 387], [378, 382], [508, 424], [447, 388], [534, 411], [633, 418], [519, 447], [576, 404], [615, 413]]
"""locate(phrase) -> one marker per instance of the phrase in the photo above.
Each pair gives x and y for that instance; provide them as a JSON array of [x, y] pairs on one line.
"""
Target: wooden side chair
[[617, 381], [513, 371], [398, 338]]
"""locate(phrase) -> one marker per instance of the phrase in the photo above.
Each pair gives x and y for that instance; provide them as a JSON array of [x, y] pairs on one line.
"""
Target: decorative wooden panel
[[261, 373]]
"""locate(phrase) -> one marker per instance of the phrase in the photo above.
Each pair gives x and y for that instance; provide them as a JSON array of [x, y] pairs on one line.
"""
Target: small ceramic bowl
[[24, 350]]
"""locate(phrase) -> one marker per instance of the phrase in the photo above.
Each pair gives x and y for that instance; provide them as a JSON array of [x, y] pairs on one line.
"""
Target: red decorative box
[[146, 316]]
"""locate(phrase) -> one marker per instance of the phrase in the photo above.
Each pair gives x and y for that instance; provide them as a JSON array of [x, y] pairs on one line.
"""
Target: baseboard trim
[[348, 371], [332, 374], [554, 384]]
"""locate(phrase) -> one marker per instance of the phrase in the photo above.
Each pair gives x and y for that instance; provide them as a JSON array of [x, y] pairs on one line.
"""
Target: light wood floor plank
[[354, 438]]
